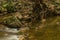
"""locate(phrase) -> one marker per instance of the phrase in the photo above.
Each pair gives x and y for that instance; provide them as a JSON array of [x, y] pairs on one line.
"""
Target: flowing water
[[8, 34]]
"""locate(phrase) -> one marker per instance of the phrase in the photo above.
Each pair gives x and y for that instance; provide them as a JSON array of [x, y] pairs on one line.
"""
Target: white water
[[9, 36]]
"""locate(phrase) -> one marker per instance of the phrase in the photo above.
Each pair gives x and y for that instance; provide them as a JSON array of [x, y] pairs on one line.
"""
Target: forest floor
[[49, 30]]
